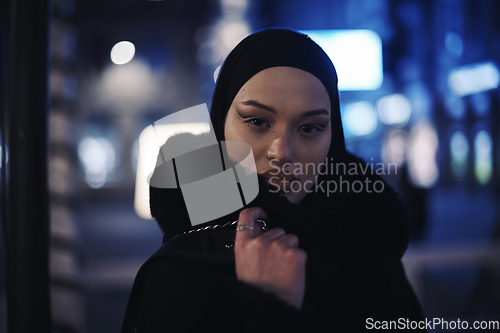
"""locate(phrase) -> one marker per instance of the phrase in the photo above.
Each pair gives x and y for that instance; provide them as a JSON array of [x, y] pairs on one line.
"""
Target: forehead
[[285, 86]]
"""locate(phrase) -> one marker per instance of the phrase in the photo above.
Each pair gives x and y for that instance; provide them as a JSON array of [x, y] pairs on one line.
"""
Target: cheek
[[325, 147], [229, 128], [234, 131], [261, 160], [316, 153]]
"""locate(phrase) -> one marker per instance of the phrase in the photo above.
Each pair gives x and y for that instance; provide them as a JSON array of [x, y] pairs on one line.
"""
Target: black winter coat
[[354, 275]]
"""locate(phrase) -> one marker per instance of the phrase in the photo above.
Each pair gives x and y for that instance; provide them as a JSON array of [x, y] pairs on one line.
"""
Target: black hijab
[[274, 47]]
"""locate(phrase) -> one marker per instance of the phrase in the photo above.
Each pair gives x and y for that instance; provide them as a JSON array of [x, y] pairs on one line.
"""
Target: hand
[[271, 260]]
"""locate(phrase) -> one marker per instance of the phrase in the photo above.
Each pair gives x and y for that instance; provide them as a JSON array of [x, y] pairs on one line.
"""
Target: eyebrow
[[252, 102], [256, 104]]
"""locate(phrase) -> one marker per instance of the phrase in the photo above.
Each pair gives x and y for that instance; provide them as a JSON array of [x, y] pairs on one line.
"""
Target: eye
[[257, 122], [310, 129]]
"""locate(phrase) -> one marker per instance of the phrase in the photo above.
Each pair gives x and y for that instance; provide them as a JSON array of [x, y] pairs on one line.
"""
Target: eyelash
[[252, 120]]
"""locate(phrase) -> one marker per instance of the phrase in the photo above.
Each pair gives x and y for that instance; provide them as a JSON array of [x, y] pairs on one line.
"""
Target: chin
[[294, 197]]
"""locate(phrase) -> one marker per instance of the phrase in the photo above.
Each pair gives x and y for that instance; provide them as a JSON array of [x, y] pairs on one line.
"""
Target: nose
[[280, 149]]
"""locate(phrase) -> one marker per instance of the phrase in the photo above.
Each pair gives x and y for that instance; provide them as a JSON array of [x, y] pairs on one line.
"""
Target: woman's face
[[283, 113]]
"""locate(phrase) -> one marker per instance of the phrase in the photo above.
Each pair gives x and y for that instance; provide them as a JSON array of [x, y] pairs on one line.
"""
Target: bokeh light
[[357, 55], [231, 33], [395, 147], [474, 78], [483, 156], [423, 145], [97, 156], [459, 149], [122, 52], [454, 44], [360, 118], [394, 110], [225, 36]]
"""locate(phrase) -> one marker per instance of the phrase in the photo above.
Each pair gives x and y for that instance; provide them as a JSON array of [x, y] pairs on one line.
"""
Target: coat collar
[[370, 227]]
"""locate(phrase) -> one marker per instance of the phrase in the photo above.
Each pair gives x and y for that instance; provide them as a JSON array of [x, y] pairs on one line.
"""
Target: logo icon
[[181, 151]]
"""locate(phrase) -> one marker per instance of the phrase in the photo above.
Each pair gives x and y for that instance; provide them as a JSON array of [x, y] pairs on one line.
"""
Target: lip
[[281, 182]]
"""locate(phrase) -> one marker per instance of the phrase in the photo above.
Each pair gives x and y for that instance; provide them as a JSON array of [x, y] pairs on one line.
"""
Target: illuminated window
[[192, 120]]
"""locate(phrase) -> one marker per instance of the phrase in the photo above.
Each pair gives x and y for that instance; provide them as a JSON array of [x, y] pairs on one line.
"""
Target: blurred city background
[[431, 105]]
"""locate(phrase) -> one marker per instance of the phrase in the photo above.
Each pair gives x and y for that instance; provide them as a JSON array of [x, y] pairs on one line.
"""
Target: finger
[[289, 241], [259, 227], [247, 218], [302, 255], [272, 235]]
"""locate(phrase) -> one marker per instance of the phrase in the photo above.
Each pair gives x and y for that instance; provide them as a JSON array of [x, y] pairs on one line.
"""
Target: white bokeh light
[[225, 36], [122, 52], [474, 78], [231, 33], [422, 165], [98, 158], [360, 118], [395, 147], [394, 110]]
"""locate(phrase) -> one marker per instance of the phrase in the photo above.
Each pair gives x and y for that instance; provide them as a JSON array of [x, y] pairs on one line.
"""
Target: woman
[[330, 259]]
